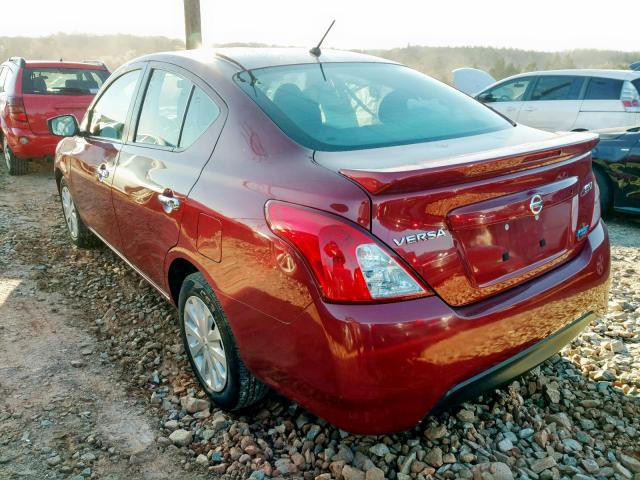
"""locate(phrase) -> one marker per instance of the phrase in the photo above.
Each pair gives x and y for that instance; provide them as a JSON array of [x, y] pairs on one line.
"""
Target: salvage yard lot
[[94, 383]]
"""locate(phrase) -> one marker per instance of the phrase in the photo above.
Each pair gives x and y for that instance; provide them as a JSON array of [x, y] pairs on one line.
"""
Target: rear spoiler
[[476, 166], [95, 62]]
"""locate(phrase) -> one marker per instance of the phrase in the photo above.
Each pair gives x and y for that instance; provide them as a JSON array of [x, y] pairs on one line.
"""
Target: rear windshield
[[62, 81], [347, 106]]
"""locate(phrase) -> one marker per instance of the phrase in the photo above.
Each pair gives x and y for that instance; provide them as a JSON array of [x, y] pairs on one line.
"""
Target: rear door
[[51, 91], [178, 122], [602, 107], [507, 97], [629, 183], [96, 153], [553, 104]]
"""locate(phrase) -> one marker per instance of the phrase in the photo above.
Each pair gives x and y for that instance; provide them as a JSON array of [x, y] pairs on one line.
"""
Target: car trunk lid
[[41, 107], [51, 89], [479, 214]]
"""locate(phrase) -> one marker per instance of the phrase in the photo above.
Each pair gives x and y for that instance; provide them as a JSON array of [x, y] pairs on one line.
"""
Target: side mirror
[[485, 97], [64, 126]]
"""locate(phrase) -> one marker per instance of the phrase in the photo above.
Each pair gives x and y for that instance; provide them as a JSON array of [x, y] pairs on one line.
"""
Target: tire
[[15, 165], [80, 235], [239, 388], [606, 196]]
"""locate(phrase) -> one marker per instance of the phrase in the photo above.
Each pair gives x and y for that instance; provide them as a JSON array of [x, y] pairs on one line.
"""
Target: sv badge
[[420, 237]]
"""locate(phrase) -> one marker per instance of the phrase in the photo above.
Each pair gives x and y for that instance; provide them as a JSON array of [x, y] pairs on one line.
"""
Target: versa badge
[[420, 237]]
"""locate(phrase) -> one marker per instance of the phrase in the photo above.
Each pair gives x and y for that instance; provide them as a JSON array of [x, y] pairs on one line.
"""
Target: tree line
[[438, 62]]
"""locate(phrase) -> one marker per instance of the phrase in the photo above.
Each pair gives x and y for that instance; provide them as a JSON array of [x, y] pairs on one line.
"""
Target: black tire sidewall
[[16, 166], [196, 285], [11, 162]]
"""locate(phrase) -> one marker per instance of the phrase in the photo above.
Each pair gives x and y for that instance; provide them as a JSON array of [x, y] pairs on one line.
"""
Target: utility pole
[[192, 25]]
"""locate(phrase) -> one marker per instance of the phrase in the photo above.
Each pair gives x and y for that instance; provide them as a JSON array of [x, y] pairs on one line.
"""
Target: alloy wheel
[[70, 213], [205, 343]]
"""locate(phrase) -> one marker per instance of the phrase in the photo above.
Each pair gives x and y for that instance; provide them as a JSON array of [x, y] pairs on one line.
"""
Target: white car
[[568, 99]]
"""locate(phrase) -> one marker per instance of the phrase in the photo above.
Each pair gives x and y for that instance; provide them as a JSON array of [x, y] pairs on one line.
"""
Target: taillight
[[348, 264], [630, 98], [16, 110]]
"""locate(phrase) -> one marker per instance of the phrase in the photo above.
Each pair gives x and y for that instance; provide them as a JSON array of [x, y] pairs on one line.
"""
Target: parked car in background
[[564, 100], [33, 91], [616, 164], [366, 240]]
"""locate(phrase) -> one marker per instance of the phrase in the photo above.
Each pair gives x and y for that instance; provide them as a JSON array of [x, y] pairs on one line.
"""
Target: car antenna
[[315, 51]]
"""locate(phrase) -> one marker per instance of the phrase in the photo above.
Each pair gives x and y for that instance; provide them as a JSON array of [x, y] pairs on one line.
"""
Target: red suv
[[352, 233], [33, 91]]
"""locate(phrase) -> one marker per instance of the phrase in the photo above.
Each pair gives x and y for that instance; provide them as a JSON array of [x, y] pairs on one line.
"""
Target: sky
[[547, 25]]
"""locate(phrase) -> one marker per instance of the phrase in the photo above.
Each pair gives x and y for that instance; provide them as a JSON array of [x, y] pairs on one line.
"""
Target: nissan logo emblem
[[536, 204]]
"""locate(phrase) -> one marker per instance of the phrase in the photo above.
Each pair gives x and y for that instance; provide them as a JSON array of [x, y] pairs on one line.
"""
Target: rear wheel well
[[178, 271]]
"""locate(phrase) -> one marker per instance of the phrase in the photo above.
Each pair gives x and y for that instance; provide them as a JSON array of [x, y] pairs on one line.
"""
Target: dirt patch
[[62, 403]]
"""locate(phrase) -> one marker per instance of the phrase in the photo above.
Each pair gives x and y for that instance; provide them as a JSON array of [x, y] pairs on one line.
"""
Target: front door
[[96, 153], [553, 104], [159, 164], [629, 182], [507, 97]]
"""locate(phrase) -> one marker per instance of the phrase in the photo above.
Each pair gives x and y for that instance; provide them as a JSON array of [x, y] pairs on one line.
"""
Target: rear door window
[[62, 81], [603, 89], [557, 88], [163, 109], [201, 114]]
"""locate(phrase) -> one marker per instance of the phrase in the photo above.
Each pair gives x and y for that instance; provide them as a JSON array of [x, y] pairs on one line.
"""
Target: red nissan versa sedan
[[33, 91], [362, 238]]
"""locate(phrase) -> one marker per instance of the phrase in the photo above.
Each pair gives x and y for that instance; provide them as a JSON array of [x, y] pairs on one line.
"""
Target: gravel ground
[[94, 384]]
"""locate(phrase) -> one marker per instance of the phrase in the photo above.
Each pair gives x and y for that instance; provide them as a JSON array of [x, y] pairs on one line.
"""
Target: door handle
[[168, 201], [102, 173], [529, 109]]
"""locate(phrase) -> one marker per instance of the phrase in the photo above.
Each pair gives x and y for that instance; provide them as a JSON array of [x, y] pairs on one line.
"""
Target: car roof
[[260, 57], [585, 72]]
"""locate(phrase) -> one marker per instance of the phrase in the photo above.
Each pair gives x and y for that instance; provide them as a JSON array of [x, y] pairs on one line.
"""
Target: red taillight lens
[[16, 110], [347, 263], [630, 103]]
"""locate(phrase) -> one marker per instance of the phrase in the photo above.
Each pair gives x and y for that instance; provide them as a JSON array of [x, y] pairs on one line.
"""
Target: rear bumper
[[36, 146], [381, 368], [515, 366]]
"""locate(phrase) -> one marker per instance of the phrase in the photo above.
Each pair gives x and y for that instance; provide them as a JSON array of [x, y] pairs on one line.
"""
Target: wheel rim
[[205, 343], [70, 214], [5, 152]]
